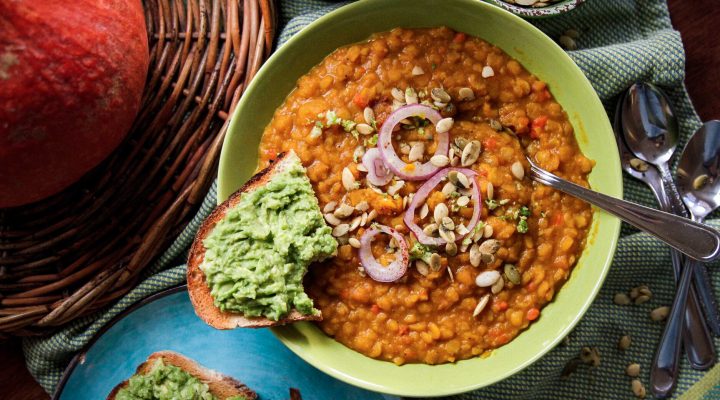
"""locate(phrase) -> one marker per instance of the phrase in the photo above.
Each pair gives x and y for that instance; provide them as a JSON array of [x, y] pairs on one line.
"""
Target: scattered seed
[[424, 211], [470, 153], [572, 33], [633, 370], [498, 286], [448, 236], [624, 343], [567, 42], [422, 267], [487, 231], [329, 207], [517, 170], [362, 206], [487, 278], [355, 223], [332, 220], [430, 229], [461, 229], [496, 125], [417, 70], [411, 96], [448, 224], [354, 242], [463, 180], [512, 273], [440, 95], [642, 299], [395, 187], [487, 71], [444, 125], [466, 94], [621, 299], [344, 210], [363, 219], [369, 115], [451, 249], [460, 142], [638, 389], [398, 95], [487, 258], [348, 180], [640, 291], [371, 216], [340, 230], [416, 151], [440, 160], [475, 255], [364, 129], [639, 165], [435, 261], [440, 212], [462, 201], [660, 313], [481, 305], [700, 181], [590, 356], [490, 246], [455, 161], [448, 189], [490, 191]]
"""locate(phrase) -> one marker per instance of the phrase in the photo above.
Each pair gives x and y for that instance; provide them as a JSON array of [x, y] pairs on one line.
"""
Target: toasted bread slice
[[221, 386], [198, 288]]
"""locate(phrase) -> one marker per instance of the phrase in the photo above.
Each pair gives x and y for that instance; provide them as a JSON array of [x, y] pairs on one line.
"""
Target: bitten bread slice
[[221, 386], [198, 288]]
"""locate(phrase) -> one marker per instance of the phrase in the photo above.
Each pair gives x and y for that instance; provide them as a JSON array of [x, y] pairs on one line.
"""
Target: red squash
[[71, 80]]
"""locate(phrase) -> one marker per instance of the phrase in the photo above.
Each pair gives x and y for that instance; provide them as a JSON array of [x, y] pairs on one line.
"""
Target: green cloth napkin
[[621, 42]]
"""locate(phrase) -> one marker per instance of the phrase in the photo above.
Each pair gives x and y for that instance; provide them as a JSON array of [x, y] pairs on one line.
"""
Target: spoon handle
[[672, 195], [698, 241], [705, 291]]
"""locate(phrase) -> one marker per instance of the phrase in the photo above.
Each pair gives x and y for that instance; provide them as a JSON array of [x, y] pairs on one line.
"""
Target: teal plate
[[166, 321]]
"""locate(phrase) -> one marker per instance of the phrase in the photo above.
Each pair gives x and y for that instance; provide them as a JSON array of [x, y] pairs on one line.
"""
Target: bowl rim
[[551, 10], [612, 225]]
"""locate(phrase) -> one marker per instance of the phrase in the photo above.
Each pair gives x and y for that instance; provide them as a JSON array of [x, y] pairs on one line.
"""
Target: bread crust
[[198, 288], [221, 386]]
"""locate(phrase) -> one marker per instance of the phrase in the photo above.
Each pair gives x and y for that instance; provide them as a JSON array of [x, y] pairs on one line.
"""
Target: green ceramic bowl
[[540, 55]]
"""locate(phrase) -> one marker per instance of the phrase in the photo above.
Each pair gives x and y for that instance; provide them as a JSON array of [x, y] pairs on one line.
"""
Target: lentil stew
[[482, 287]]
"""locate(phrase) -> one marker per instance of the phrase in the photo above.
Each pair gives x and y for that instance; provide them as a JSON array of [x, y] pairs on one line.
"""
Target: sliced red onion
[[373, 268], [423, 193], [414, 171], [378, 174]]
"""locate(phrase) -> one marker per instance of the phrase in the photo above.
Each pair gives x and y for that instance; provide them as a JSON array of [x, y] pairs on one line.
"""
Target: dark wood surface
[[696, 20]]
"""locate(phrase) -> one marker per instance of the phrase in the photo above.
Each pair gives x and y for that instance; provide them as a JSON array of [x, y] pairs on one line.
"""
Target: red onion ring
[[423, 193], [378, 174], [373, 268], [414, 171]]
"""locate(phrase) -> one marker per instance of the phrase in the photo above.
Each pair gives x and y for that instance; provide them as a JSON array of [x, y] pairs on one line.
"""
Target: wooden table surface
[[694, 19]]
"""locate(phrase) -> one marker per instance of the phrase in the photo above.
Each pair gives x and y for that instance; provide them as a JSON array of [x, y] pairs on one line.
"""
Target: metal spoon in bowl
[[650, 130], [697, 176], [696, 337]]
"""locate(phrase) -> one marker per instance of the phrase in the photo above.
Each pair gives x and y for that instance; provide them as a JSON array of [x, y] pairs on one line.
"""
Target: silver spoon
[[696, 337], [697, 240], [697, 175], [651, 130]]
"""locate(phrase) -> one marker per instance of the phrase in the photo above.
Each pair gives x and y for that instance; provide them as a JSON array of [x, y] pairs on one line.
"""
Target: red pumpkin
[[71, 80]]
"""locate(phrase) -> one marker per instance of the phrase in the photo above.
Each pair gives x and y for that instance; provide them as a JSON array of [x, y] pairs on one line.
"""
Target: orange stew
[[433, 314]]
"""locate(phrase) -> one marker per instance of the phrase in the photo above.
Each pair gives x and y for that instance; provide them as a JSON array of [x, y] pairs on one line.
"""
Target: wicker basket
[[80, 250]]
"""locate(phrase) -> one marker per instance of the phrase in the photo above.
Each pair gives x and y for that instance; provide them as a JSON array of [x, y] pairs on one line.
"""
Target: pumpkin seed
[[633, 370], [430, 229], [332, 220], [490, 191], [512, 273], [481, 305], [487, 231], [355, 223], [466, 94], [624, 343], [444, 125], [590, 356], [369, 115], [567, 42], [638, 389], [422, 267], [642, 299], [362, 206], [460, 142], [348, 179], [398, 95], [487, 71], [660, 313], [487, 278], [462, 201], [517, 170], [329, 207], [452, 176], [435, 260], [345, 210], [371, 216], [364, 129], [417, 70], [490, 246], [354, 242], [463, 180], [395, 187], [639, 165], [340, 230], [416, 151], [440, 212], [440, 160], [700, 181], [448, 236], [424, 211], [448, 189], [447, 223], [461, 229], [451, 249], [475, 255], [470, 153], [496, 125], [440, 95], [621, 299], [498, 286], [487, 258], [363, 219], [411, 96]]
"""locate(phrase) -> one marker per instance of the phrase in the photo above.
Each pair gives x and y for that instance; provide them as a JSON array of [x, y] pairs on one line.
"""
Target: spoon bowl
[[699, 181]]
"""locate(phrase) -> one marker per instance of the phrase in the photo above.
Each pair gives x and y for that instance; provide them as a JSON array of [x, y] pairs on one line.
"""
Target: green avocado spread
[[257, 255], [167, 382]]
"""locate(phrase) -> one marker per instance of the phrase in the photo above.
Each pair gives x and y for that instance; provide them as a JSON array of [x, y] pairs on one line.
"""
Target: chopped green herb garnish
[[522, 226], [524, 211], [420, 251], [373, 140], [491, 204]]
